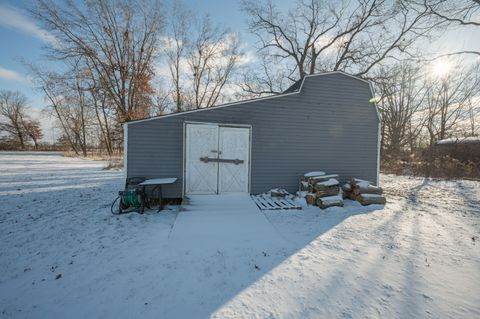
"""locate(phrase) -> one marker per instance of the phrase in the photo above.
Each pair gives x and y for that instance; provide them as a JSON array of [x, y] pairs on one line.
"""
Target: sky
[[21, 39]]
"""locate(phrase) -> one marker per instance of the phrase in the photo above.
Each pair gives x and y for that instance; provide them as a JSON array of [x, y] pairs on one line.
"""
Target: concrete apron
[[213, 222]]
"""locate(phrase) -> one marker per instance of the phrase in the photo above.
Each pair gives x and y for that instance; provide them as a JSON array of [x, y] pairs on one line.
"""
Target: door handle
[[207, 159]]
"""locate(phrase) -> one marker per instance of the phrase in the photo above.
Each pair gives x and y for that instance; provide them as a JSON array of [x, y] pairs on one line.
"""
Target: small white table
[[158, 182]]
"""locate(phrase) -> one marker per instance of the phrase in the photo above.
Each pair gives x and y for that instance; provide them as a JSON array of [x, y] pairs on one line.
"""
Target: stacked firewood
[[363, 192], [321, 189]]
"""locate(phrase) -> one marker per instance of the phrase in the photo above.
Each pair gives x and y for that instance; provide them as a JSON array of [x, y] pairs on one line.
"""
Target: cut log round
[[311, 198], [346, 190]]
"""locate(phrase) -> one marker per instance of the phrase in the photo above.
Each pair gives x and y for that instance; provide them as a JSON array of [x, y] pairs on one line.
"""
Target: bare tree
[[403, 96], [212, 57], [460, 14], [175, 49], [118, 39], [270, 79], [34, 131], [200, 57], [473, 115], [334, 35], [101, 103], [63, 104], [448, 99], [161, 101], [13, 115]]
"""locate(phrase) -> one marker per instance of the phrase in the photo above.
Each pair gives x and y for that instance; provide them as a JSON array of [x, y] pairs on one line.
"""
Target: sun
[[441, 68]]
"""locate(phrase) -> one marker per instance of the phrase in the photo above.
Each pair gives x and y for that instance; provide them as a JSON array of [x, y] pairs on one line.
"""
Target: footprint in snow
[[427, 297]]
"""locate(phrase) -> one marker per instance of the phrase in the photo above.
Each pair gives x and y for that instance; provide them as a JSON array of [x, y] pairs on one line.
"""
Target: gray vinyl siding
[[330, 125]]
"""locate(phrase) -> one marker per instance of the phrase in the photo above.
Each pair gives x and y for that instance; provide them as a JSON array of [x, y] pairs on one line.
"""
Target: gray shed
[[325, 122]]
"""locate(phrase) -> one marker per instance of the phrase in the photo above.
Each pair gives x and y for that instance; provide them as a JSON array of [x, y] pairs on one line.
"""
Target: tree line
[[17, 127], [124, 60]]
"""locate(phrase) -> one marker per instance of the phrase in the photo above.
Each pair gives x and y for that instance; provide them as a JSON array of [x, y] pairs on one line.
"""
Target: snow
[[459, 140], [206, 221], [334, 176], [361, 183], [330, 182], [419, 256], [371, 196], [314, 174]]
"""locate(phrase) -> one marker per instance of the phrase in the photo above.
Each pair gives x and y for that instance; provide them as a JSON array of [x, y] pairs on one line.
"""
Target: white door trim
[[184, 172]]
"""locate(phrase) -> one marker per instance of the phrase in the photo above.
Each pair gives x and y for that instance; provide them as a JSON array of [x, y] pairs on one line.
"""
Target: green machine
[[132, 199]]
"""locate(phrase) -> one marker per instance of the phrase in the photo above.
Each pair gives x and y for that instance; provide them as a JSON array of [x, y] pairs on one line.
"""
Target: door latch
[[207, 159]]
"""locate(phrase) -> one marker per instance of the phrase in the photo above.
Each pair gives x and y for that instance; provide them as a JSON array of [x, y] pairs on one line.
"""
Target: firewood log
[[305, 186], [329, 191], [347, 190], [310, 198], [368, 199], [278, 192], [358, 182], [317, 179], [325, 202], [370, 189], [326, 184], [307, 176]]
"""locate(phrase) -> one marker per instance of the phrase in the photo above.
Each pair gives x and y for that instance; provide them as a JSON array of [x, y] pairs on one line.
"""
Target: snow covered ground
[[63, 255]]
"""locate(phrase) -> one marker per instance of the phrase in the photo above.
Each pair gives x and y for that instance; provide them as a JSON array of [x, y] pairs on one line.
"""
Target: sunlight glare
[[441, 68]]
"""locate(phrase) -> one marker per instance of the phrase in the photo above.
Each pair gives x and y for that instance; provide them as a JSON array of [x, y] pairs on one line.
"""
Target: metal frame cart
[[135, 198]]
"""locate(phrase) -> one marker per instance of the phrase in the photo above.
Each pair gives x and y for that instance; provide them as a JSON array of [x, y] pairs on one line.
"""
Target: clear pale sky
[[21, 39]]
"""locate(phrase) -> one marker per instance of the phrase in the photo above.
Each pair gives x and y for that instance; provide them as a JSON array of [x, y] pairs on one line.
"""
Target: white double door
[[217, 159]]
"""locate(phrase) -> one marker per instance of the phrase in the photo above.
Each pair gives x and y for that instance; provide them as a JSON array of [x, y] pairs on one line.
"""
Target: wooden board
[[273, 203]]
